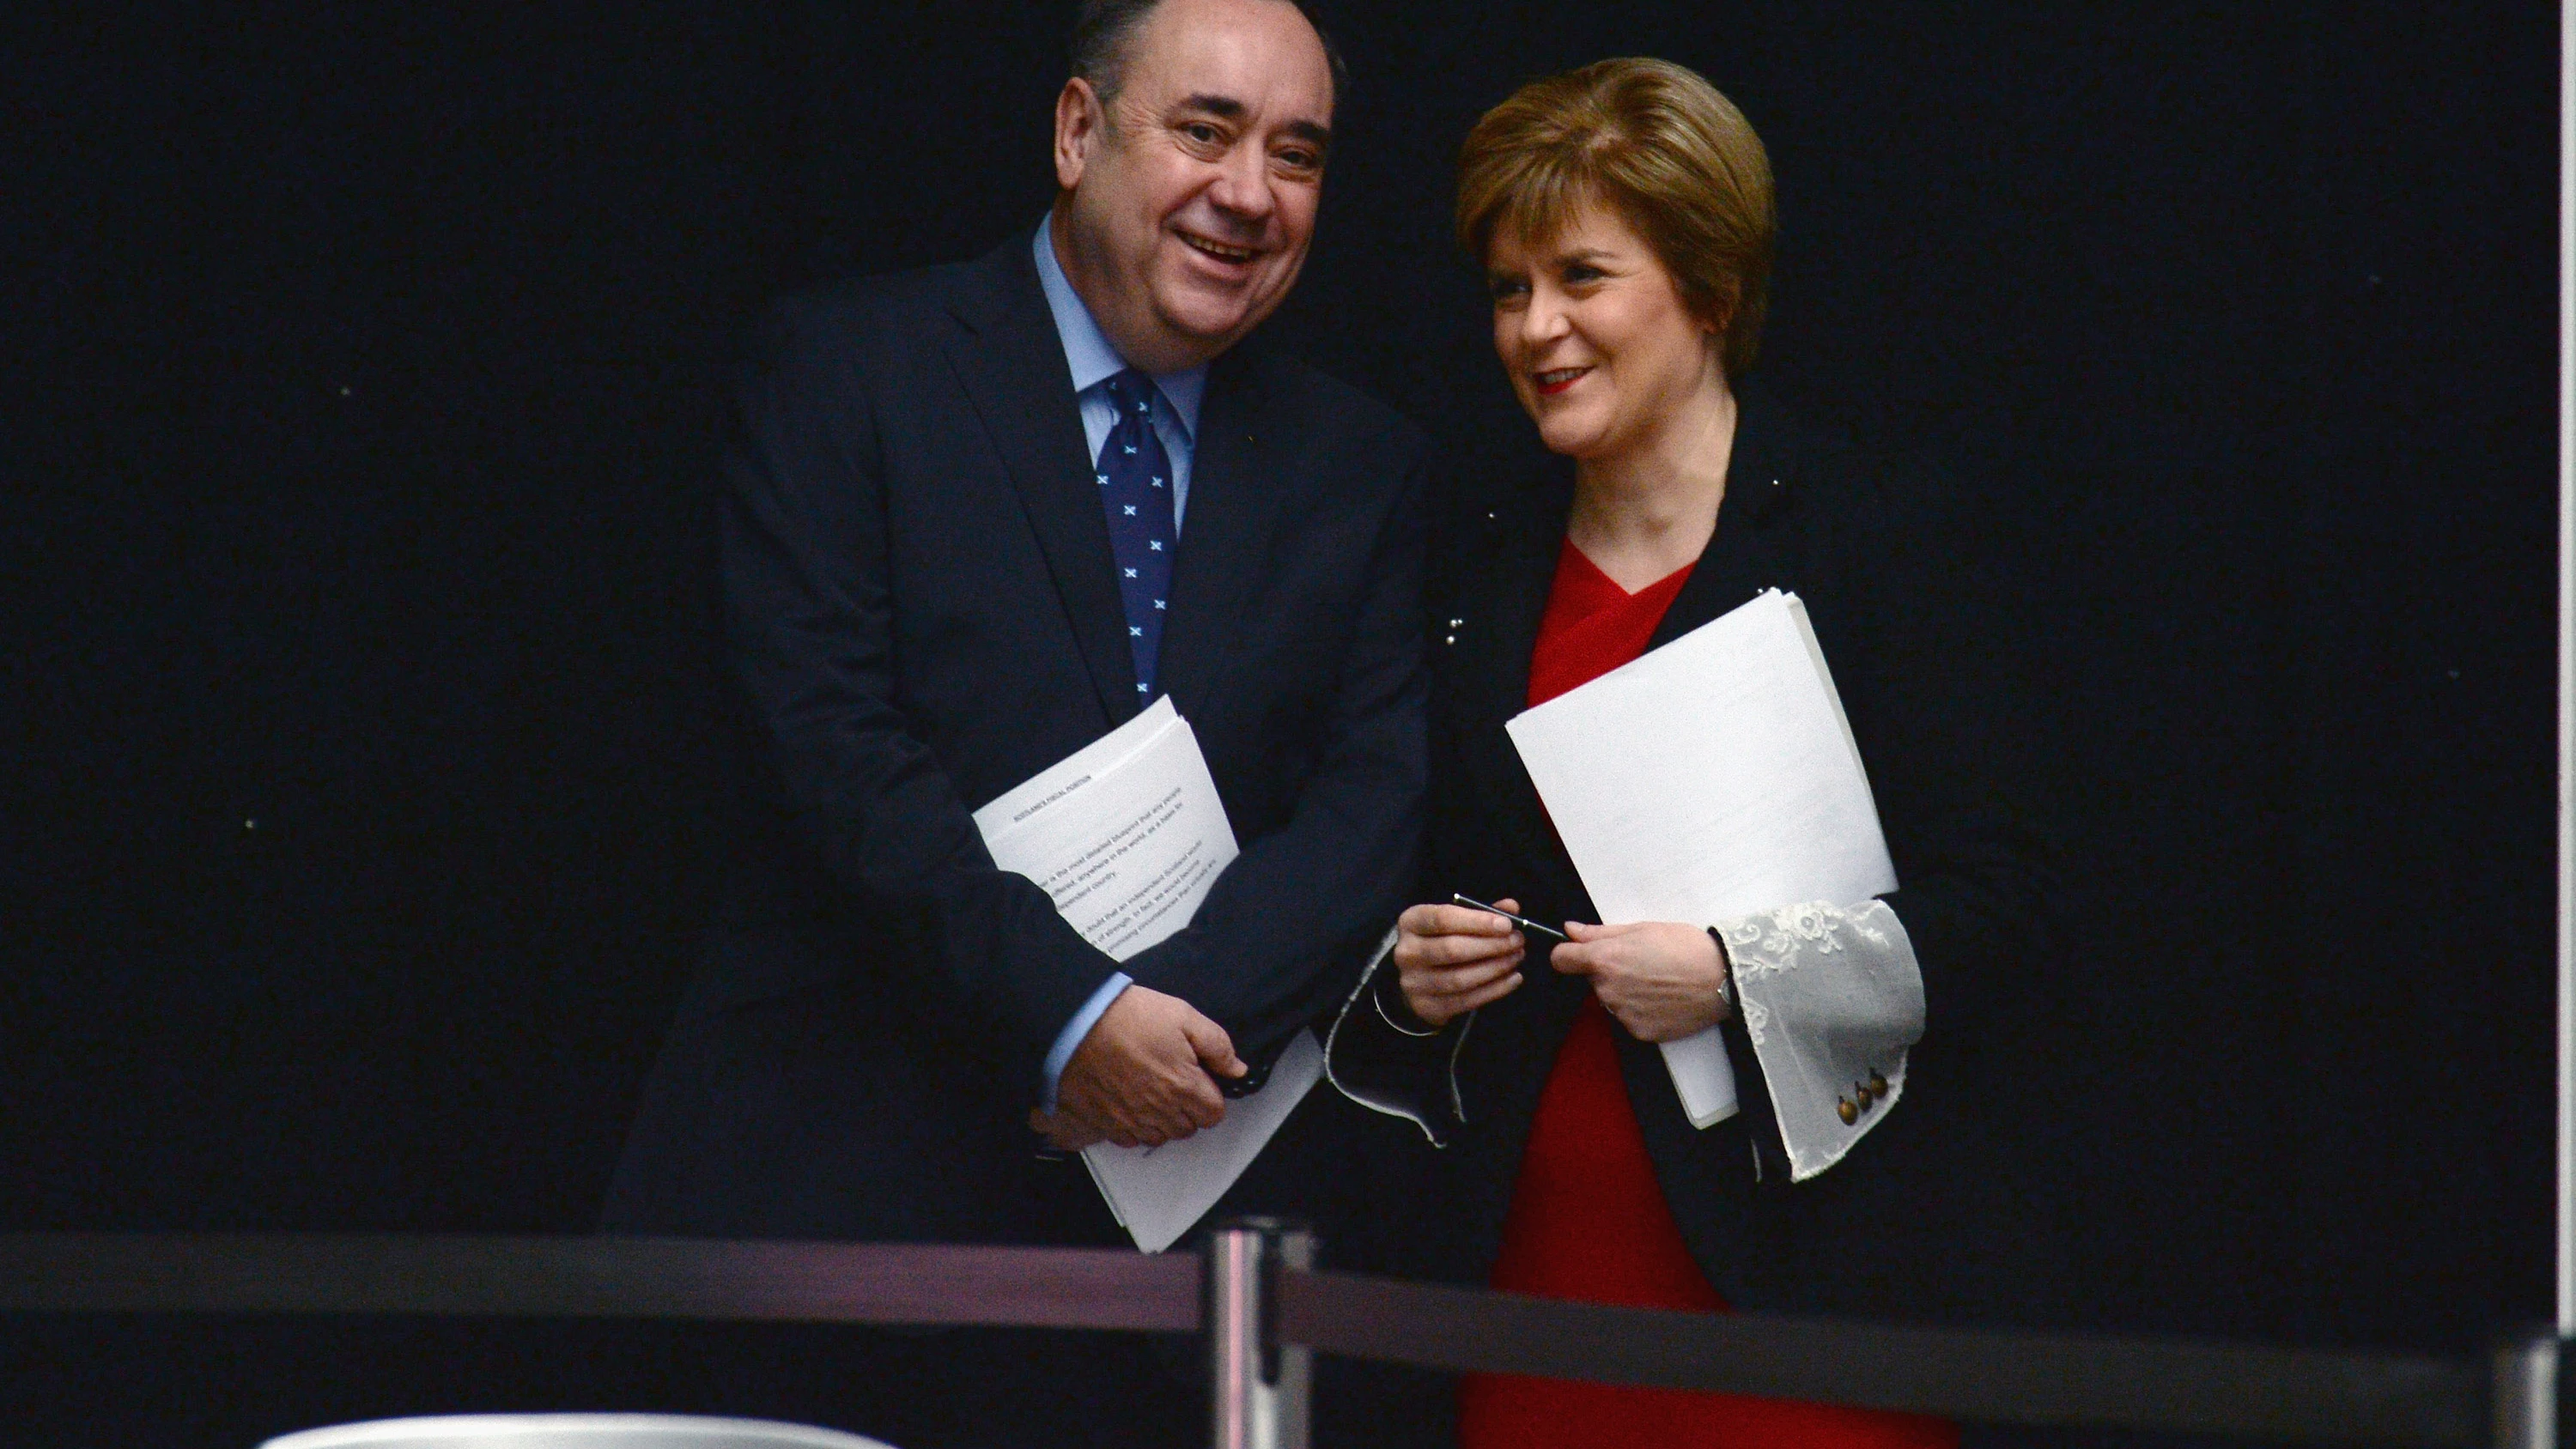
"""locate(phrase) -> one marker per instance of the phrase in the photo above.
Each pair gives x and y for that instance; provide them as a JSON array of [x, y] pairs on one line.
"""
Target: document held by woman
[[1705, 781], [1127, 835]]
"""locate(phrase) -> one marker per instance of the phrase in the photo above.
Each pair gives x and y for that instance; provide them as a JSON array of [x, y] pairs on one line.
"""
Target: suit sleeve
[[1842, 1004], [808, 617], [1286, 930]]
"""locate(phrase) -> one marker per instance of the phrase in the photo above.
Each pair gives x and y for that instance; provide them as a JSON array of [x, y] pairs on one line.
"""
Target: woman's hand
[[1662, 980], [1451, 960]]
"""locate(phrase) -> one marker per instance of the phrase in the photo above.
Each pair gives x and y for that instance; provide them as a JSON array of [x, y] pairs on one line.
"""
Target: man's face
[[1190, 200]]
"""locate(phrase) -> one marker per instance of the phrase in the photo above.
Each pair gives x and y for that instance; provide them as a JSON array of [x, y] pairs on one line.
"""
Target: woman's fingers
[[1467, 921], [1584, 931], [1453, 959], [1442, 953], [1449, 983], [1442, 997], [1438, 920], [1600, 950], [1491, 991], [1416, 920]]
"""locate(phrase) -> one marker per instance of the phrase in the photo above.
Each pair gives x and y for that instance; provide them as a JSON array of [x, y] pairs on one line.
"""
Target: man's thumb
[[1213, 1046]]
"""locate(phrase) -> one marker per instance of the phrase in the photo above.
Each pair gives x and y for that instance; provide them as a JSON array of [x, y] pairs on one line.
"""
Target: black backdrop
[[362, 364]]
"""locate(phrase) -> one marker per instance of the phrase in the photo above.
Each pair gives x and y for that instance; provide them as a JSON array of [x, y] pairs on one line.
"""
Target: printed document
[[1127, 835], [1709, 779]]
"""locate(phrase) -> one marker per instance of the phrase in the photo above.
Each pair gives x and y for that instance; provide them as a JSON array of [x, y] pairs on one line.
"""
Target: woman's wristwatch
[[1725, 971]]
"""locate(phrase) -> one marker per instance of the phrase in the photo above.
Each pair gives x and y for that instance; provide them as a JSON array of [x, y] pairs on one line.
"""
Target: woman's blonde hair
[[1657, 145]]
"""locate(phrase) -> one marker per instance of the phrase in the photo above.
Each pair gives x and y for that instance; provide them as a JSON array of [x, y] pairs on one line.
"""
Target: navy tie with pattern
[[1135, 478]]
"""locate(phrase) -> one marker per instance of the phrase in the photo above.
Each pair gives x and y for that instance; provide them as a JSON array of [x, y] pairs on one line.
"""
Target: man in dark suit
[[975, 517]]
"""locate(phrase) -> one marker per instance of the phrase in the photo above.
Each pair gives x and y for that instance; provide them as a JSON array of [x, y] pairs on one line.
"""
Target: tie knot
[[1132, 391]]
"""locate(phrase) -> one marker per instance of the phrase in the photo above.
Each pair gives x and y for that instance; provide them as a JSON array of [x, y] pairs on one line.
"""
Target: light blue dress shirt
[[1092, 361]]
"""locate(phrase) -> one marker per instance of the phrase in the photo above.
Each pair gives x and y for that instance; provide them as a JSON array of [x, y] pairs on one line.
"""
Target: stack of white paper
[[1709, 779], [1126, 836]]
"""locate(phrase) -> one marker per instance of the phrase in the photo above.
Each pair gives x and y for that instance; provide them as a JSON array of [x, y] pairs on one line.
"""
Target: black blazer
[[1894, 1227], [920, 605]]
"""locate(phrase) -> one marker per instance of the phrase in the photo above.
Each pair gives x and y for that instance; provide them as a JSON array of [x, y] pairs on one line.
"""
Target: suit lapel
[[1497, 630], [1750, 551], [1238, 488], [1518, 570], [1742, 559], [1011, 365]]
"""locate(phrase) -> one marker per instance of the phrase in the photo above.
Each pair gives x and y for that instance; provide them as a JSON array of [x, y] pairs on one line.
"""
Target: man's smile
[[1220, 251]]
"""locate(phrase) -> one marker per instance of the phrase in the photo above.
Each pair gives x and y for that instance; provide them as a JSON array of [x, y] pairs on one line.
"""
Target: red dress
[[1588, 1220]]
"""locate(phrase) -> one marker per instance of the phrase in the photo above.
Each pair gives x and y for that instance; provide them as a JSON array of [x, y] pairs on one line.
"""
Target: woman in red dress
[[1623, 214]]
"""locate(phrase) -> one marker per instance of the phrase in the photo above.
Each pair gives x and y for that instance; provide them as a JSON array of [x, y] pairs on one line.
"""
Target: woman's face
[[1594, 334]]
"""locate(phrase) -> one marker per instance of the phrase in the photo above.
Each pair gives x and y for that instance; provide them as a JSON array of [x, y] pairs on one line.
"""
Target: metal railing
[[1265, 1310]]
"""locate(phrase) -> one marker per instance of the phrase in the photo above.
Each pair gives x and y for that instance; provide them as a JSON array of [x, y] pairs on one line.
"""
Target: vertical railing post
[[2527, 1392], [1258, 1386]]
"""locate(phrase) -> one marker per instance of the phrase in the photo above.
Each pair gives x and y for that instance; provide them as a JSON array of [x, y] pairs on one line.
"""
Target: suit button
[[1877, 1083], [1844, 1109]]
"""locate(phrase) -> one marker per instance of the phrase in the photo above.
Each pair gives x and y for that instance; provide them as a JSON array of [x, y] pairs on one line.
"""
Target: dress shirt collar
[[1086, 348]]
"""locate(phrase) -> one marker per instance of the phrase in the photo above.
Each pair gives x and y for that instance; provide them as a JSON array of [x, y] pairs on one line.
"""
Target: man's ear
[[1079, 121]]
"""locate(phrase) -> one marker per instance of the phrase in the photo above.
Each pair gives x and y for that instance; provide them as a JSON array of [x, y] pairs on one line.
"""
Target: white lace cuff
[[1831, 999]]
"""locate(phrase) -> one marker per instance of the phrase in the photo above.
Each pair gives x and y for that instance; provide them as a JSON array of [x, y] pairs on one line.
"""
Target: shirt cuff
[[1078, 1028], [1832, 999]]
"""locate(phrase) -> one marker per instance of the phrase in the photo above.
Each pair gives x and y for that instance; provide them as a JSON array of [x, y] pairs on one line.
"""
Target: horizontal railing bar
[[1982, 1375], [589, 1277]]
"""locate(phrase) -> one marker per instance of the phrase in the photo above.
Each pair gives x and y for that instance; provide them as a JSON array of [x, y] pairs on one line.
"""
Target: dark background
[[362, 365]]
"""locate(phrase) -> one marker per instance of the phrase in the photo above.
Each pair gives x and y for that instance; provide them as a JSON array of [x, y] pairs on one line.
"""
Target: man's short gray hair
[[1104, 31]]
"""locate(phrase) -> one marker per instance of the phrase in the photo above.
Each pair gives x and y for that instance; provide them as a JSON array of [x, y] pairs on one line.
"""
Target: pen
[[1526, 924]]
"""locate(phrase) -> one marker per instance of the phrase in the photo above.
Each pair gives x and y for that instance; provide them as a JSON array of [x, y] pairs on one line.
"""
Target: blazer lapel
[[1011, 365], [1750, 550], [1237, 491], [1518, 569]]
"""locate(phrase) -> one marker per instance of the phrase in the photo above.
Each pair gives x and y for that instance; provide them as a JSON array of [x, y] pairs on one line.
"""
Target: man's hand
[[1661, 980], [1061, 1132], [1140, 1076]]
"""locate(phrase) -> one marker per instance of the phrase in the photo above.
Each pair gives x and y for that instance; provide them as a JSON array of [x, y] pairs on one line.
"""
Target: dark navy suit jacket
[[921, 609]]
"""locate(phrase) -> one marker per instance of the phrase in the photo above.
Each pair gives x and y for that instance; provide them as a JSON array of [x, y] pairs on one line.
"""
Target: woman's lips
[[1557, 379]]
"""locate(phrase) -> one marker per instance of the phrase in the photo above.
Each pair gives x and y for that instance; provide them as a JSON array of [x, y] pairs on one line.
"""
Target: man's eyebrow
[[1312, 133]]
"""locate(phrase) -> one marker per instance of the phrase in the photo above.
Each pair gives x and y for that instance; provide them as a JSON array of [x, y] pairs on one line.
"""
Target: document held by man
[[1709, 779], [1127, 835]]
